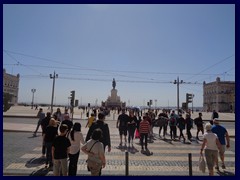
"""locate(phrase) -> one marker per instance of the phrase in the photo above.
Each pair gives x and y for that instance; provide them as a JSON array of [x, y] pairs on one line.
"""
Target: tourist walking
[[173, 114], [223, 136], [122, 123], [199, 123], [189, 126], [105, 139], [90, 120], [76, 137], [58, 114], [144, 129], [44, 124], [68, 122], [65, 114], [94, 148], [210, 146], [173, 125], [214, 116], [181, 126], [60, 150], [40, 116], [132, 123], [163, 123], [51, 133]]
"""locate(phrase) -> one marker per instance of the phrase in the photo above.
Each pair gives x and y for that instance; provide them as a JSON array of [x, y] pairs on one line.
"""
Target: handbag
[[90, 151], [202, 164], [137, 135]]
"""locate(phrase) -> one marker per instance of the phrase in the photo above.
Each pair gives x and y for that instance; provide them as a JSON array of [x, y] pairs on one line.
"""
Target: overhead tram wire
[[98, 70], [109, 71], [21, 63], [50, 60], [219, 74], [107, 80], [211, 66]]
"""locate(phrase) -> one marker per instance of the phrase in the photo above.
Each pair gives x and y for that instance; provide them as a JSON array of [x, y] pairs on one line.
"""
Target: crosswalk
[[170, 158]]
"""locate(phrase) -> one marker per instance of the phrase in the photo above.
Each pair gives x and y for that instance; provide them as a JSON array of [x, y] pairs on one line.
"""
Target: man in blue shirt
[[222, 134]]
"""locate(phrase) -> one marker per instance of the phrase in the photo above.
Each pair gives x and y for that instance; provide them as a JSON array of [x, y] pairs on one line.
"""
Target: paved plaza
[[22, 152]]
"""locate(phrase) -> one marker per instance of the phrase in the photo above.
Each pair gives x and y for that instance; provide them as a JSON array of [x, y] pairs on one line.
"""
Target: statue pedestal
[[114, 100]]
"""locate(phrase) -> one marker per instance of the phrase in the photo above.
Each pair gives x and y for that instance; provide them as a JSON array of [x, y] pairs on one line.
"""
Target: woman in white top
[[75, 138], [211, 145]]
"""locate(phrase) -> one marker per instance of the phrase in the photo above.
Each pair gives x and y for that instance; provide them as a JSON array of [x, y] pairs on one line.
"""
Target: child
[[60, 150], [144, 129]]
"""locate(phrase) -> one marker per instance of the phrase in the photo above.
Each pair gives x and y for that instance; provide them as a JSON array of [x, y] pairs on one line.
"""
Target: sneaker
[[223, 166], [217, 168]]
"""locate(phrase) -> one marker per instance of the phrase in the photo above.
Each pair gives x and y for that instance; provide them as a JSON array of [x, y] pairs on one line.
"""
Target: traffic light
[[150, 102], [184, 106], [72, 98], [189, 98]]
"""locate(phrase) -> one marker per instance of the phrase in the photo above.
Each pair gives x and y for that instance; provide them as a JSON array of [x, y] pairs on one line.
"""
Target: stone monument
[[113, 101]]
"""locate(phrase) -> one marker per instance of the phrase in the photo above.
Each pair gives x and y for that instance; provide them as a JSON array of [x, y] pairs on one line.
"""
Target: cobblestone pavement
[[22, 156]]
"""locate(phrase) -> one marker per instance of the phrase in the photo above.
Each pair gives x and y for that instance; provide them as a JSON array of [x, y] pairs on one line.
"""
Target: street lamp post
[[33, 91], [178, 82], [53, 77], [69, 101], [96, 102], [192, 102]]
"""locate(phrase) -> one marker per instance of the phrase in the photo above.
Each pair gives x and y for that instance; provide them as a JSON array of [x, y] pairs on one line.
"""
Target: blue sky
[[144, 47]]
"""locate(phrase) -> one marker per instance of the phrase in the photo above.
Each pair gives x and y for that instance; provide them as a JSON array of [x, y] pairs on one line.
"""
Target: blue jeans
[[38, 125]]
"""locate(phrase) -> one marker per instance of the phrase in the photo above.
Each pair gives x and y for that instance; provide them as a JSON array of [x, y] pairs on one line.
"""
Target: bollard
[[126, 161], [190, 163]]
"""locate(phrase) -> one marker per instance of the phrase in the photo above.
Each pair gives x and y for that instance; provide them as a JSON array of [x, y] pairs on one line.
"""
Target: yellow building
[[11, 86], [219, 96]]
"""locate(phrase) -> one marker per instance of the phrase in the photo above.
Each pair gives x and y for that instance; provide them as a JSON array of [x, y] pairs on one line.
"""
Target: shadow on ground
[[35, 162], [40, 172], [225, 173]]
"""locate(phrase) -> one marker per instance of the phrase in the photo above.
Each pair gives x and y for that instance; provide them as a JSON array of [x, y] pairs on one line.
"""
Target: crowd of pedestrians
[[63, 140]]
